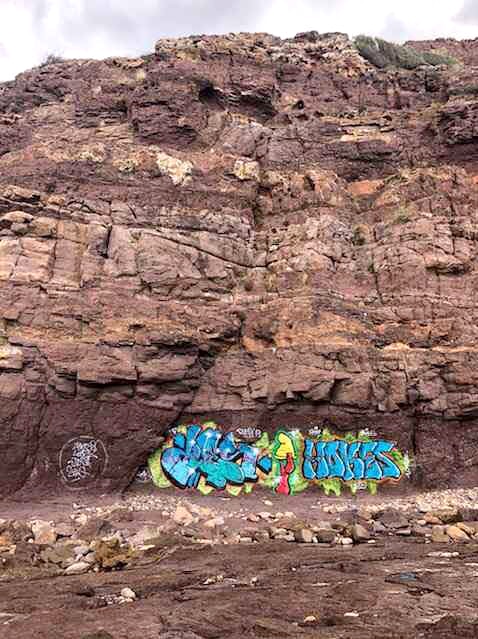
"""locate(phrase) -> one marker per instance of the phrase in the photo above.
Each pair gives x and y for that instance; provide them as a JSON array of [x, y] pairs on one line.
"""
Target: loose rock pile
[[88, 543]]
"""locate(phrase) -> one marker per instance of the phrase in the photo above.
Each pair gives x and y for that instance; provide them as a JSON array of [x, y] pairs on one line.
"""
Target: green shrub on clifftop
[[384, 54]]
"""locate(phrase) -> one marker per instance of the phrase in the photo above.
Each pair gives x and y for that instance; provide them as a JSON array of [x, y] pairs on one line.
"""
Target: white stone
[[78, 569], [346, 541], [127, 593]]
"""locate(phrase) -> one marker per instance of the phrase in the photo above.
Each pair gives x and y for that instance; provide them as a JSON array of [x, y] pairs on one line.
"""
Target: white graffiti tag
[[82, 460], [249, 432], [79, 465]]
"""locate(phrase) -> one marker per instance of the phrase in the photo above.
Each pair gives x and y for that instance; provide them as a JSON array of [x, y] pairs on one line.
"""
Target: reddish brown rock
[[241, 228]]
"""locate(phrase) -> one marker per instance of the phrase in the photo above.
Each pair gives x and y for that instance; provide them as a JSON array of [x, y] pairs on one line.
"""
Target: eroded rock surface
[[254, 230]]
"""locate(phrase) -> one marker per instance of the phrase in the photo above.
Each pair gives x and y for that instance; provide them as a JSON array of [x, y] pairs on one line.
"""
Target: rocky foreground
[[94, 538], [194, 568], [264, 232]]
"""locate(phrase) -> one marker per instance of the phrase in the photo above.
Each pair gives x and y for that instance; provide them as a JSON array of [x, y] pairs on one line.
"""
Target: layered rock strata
[[258, 231]]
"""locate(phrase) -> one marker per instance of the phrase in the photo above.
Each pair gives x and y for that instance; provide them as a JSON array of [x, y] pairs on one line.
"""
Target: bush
[[384, 54], [51, 58], [435, 59], [369, 49]]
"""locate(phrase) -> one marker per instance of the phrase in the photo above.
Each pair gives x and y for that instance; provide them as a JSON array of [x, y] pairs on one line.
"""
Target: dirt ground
[[389, 589]]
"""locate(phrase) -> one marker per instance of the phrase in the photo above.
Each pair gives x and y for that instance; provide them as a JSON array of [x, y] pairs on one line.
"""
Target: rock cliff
[[260, 231]]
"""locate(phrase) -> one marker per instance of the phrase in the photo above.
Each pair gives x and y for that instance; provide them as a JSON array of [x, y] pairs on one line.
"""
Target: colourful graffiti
[[349, 461], [285, 453], [207, 459], [207, 453]]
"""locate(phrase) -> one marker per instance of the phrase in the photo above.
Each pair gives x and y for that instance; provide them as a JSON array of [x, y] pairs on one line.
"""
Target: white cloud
[[469, 12], [396, 19], [31, 29]]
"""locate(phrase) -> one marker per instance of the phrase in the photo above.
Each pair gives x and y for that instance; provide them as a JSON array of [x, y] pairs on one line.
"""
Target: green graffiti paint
[[205, 458]]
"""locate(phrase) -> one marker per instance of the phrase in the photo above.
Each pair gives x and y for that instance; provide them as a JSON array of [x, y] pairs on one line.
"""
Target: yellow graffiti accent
[[285, 447]]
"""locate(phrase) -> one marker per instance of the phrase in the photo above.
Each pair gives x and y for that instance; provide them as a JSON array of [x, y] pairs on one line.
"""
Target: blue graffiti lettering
[[349, 460], [213, 455]]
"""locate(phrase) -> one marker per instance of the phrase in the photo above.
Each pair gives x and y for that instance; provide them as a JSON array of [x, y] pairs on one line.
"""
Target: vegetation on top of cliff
[[384, 54], [51, 58]]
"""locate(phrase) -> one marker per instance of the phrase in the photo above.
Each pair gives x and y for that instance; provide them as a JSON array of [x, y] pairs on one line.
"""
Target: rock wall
[[265, 232]]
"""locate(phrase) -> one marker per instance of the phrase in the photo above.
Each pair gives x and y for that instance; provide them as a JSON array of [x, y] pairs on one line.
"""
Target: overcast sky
[[31, 29]]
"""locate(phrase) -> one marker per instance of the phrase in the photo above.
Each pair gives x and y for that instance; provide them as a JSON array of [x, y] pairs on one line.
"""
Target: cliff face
[[259, 231]]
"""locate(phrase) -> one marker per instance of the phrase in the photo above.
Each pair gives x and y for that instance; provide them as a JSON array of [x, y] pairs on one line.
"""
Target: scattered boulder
[[325, 535], [439, 535], [261, 535], [339, 524], [145, 536], [215, 522], [62, 554], [447, 515], [378, 527], [64, 529], [393, 519], [281, 534], [128, 594], [304, 536], [94, 528], [456, 534], [360, 534], [420, 531], [43, 532], [265, 515], [110, 553], [84, 590], [182, 516], [470, 530], [78, 568], [80, 519], [346, 541]]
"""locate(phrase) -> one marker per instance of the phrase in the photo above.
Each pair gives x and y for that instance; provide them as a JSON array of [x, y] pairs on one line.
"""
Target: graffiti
[[205, 458], [315, 431], [285, 453], [206, 453], [349, 461], [82, 460], [249, 433], [143, 476]]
